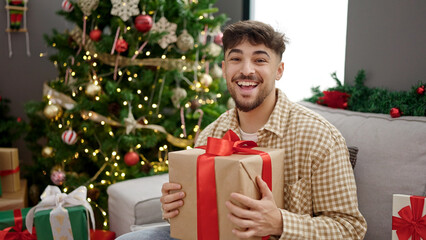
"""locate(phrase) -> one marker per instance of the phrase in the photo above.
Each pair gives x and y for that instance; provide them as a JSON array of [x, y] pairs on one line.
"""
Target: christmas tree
[[137, 79], [11, 128]]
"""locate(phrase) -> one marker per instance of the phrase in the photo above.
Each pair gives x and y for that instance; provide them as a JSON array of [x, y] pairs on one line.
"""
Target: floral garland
[[361, 98]]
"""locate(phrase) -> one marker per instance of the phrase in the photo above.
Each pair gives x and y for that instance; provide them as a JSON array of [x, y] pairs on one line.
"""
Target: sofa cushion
[[391, 159]]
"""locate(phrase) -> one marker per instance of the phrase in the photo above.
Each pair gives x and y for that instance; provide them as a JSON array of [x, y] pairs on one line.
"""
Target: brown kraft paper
[[235, 173], [9, 160]]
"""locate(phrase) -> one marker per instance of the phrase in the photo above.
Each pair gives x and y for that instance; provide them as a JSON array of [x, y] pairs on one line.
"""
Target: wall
[[387, 38], [22, 77]]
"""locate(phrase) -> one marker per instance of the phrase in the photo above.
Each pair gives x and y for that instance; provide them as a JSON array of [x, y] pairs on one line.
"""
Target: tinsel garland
[[376, 100]]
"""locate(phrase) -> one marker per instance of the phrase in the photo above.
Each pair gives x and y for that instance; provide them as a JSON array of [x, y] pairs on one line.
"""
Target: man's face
[[250, 72]]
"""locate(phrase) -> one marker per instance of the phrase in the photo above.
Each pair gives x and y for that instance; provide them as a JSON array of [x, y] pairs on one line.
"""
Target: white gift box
[[135, 203], [407, 210]]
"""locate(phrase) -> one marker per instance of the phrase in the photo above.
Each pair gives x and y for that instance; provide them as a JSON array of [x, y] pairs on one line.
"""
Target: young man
[[320, 192]]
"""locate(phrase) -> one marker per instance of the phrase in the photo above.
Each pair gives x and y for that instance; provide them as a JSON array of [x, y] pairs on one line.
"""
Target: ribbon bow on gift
[[52, 198], [207, 218], [17, 233], [411, 223]]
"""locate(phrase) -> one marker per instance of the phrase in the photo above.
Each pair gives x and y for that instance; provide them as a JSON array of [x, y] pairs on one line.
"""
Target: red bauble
[[143, 23], [121, 45], [69, 137], [96, 35], [131, 158], [67, 6], [334, 99], [395, 112], [421, 90]]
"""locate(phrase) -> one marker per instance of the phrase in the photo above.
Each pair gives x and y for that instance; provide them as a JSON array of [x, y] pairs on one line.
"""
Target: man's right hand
[[171, 199]]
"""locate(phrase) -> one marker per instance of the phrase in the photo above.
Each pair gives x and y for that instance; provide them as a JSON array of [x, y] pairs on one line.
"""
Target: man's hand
[[255, 217], [170, 202]]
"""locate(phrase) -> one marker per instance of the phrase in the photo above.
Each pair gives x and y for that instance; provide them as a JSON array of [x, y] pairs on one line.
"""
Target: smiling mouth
[[247, 84]]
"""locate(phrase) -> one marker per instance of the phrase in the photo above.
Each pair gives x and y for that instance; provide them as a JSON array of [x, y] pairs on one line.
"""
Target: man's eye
[[234, 59], [261, 60]]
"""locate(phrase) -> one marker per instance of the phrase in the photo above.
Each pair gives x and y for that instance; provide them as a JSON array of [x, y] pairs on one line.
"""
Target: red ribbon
[[411, 223], [17, 233], [8, 172], [207, 217]]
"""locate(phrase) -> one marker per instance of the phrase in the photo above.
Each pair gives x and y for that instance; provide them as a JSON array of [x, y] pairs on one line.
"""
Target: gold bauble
[[92, 89], [47, 152], [53, 111]]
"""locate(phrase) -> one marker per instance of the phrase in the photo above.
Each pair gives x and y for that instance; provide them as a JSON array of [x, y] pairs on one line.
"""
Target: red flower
[[334, 99], [395, 112]]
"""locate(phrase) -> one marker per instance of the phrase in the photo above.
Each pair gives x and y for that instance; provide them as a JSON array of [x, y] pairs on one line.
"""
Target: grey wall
[[387, 38]]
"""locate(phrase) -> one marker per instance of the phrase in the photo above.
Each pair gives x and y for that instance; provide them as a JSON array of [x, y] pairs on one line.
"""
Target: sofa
[[391, 160]]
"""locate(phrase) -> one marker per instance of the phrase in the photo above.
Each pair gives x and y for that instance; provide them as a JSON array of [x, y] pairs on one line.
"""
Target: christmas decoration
[[216, 72], [421, 90], [67, 6], [395, 112], [334, 99], [178, 94], [185, 41], [47, 152], [92, 89], [206, 79], [214, 49], [16, 11], [218, 39], [165, 26], [121, 45], [96, 35], [69, 137], [125, 8], [117, 92], [143, 23], [10, 128], [376, 100], [230, 104], [53, 111], [57, 176], [131, 158]]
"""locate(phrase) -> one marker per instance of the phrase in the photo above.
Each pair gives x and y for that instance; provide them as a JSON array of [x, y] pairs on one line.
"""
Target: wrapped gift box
[[9, 170], [101, 235], [234, 173], [408, 217], [78, 219], [15, 200], [12, 225], [7, 218]]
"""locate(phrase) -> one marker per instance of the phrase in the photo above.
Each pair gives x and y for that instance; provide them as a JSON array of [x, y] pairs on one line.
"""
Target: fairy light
[[145, 98], [199, 67], [183, 57], [102, 123], [196, 128], [163, 56], [84, 58], [54, 62], [181, 135], [60, 125], [187, 105], [73, 74], [86, 150], [128, 28], [124, 103], [201, 17], [139, 91], [65, 189], [198, 85], [71, 116], [118, 157], [97, 98], [76, 155], [80, 88], [116, 174], [85, 129], [90, 114], [114, 153], [87, 52], [95, 55], [165, 146], [94, 64], [89, 200], [73, 94], [111, 133], [154, 105], [135, 75], [89, 58], [53, 44], [120, 73], [103, 182], [129, 79], [145, 121], [106, 159], [138, 146], [82, 140], [91, 186], [105, 223], [140, 106], [184, 68], [118, 89], [218, 95], [148, 53], [123, 174], [94, 154], [68, 122], [107, 173], [160, 116], [115, 164]]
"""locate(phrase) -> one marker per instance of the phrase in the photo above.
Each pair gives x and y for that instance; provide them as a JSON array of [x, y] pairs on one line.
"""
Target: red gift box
[[101, 235], [408, 217]]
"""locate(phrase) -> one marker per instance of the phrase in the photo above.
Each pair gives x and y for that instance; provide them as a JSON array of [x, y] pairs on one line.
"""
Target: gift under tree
[[137, 79]]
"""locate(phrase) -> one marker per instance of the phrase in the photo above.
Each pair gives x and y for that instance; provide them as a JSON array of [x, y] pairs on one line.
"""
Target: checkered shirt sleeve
[[320, 200]]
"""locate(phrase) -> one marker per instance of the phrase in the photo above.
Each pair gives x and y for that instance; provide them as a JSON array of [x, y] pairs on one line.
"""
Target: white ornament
[[231, 103], [87, 6], [92, 89], [67, 6], [165, 26], [125, 8], [213, 49], [178, 94], [216, 72], [185, 41], [206, 79], [130, 122], [69, 137]]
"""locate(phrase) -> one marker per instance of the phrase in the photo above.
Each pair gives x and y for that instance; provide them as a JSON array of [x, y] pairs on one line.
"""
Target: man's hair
[[256, 33]]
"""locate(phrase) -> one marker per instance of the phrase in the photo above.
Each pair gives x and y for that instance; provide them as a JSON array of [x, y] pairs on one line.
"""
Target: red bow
[[17, 233], [207, 218], [411, 223]]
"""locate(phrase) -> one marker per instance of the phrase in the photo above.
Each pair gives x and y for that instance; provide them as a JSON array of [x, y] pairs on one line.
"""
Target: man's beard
[[245, 106]]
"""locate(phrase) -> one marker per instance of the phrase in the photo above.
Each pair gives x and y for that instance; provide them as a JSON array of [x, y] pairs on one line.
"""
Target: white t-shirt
[[248, 136]]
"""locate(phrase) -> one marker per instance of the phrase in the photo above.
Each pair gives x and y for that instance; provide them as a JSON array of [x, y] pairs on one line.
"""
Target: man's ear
[[280, 71]]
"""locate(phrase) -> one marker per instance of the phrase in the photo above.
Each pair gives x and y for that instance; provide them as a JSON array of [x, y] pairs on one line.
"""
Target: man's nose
[[247, 68]]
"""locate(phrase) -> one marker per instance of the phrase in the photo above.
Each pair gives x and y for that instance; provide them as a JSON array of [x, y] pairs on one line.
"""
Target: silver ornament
[[178, 94], [213, 49], [206, 79], [185, 41]]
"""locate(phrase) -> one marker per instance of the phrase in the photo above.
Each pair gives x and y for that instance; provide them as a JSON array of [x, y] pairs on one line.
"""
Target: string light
[[91, 186], [125, 103], [183, 57], [60, 126], [107, 173], [138, 146], [65, 189], [218, 95], [145, 98], [140, 106], [163, 56], [139, 91], [86, 150], [118, 89], [148, 53], [154, 105], [106, 159], [103, 182]]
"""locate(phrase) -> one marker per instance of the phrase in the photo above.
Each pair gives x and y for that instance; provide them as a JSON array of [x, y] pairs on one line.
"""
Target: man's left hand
[[255, 217]]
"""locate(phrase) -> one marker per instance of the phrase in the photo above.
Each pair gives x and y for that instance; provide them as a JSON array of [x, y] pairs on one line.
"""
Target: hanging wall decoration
[[16, 11]]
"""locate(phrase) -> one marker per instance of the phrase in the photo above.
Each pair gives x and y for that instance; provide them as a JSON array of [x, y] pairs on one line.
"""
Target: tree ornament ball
[[69, 137], [213, 49], [216, 72], [178, 95], [121, 45], [185, 41], [96, 35], [206, 80], [421, 90], [218, 39], [143, 23], [58, 176], [92, 89], [53, 111], [47, 152], [67, 6], [395, 112], [131, 158]]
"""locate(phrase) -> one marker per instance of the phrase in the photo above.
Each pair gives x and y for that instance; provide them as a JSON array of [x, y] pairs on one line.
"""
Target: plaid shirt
[[320, 200]]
